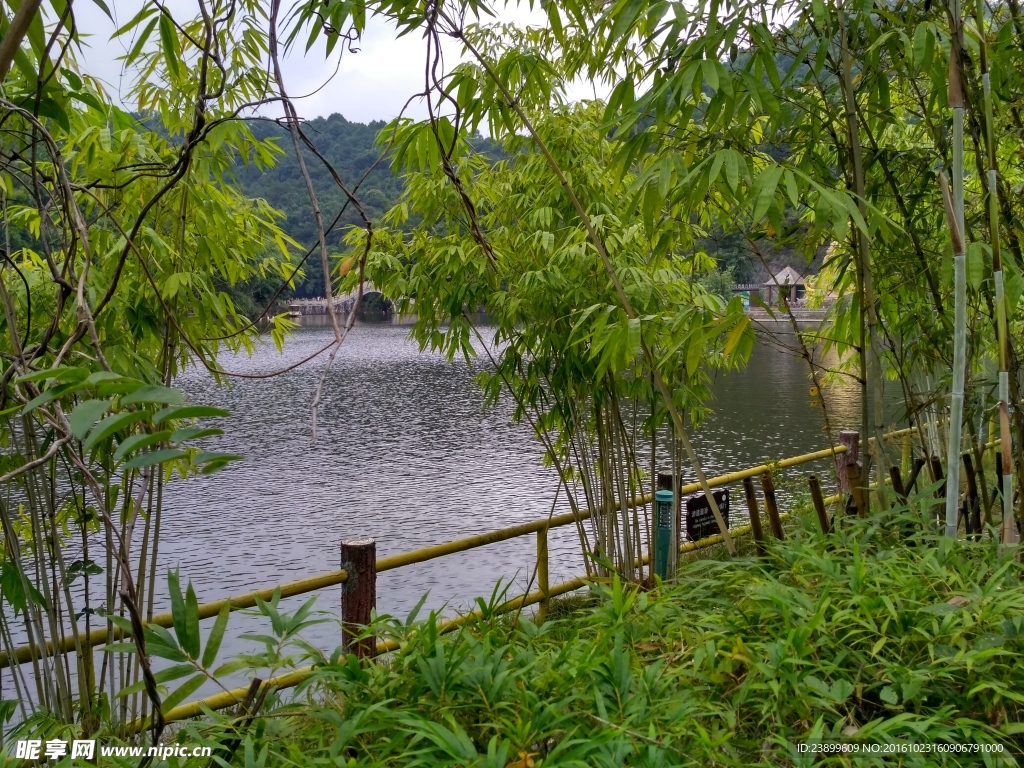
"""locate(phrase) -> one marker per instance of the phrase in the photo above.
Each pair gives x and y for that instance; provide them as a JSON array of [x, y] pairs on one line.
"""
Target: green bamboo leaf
[[194, 433], [791, 188], [137, 19], [216, 636], [735, 335], [161, 643], [188, 412], [976, 259], [98, 376], [120, 648], [154, 393], [764, 186], [64, 373], [190, 643], [103, 7], [85, 415], [174, 673], [694, 352], [140, 41], [231, 666], [153, 458], [187, 689], [732, 169], [169, 43], [51, 394], [129, 690], [177, 607], [138, 442], [109, 426]]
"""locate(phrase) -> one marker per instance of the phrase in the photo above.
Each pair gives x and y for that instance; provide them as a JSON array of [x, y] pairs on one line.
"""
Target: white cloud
[[373, 83]]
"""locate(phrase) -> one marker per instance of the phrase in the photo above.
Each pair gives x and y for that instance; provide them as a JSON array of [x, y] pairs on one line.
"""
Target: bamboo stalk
[[956, 408], [755, 514], [1010, 534], [870, 350]]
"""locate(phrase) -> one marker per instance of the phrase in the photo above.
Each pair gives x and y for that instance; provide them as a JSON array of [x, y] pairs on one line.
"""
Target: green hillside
[[350, 148]]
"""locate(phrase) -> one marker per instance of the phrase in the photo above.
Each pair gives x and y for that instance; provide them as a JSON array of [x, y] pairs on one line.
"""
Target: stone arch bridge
[[342, 304]]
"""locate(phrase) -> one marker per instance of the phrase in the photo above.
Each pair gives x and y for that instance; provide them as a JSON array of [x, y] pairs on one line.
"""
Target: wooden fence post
[[542, 573], [358, 595], [972, 505], [936, 465], [768, 486], [755, 514], [851, 440], [897, 483], [856, 491], [919, 463], [819, 503]]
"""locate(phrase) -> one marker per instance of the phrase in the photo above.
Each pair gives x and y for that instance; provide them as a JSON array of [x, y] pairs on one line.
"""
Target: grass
[[858, 640], [855, 639]]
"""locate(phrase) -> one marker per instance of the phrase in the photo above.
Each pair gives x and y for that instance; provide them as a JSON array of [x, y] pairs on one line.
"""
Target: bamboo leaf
[[109, 426], [177, 607], [216, 636], [188, 412], [85, 415], [174, 673], [138, 442], [169, 43], [190, 643], [764, 186], [187, 689], [153, 458], [154, 393]]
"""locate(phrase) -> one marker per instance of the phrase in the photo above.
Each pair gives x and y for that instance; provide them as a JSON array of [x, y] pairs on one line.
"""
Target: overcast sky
[[372, 84]]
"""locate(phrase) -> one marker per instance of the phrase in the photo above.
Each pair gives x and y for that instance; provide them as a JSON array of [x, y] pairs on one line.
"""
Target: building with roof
[[786, 282]]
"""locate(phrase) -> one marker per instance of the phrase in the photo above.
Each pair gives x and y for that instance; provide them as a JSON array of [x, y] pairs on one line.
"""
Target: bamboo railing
[[541, 596]]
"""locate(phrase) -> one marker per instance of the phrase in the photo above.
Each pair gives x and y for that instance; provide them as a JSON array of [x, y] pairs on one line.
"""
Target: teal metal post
[[664, 502]]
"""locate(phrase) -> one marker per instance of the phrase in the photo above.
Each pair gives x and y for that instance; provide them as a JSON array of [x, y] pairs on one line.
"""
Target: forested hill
[[351, 149]]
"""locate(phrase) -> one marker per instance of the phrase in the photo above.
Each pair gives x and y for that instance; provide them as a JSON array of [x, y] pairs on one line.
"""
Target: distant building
[[787, 281]]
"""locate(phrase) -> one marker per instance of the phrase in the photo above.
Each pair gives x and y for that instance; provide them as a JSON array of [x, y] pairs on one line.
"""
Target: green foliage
[[719, 283], [351, 148], [507, 236], [853, 638]]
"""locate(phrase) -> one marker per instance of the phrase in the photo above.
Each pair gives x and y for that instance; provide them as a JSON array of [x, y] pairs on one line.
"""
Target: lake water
[[408, 455]]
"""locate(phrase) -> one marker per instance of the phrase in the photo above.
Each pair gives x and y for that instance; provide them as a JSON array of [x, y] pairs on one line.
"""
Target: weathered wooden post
[[851, 439], [972, 504], [768, 487], [939, 476], [358, 595], [819, 503], [897, 483], [856, 491], [755, 514], [542, 573], [919, 463]]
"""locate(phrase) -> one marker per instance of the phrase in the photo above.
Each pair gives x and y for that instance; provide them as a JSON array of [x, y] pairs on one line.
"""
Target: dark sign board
[[700, 522]]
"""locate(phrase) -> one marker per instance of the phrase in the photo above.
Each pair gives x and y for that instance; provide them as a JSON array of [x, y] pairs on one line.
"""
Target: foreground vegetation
[[860, 637]]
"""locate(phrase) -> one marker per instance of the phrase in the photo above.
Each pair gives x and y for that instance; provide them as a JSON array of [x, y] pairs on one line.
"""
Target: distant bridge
[[342, 304]]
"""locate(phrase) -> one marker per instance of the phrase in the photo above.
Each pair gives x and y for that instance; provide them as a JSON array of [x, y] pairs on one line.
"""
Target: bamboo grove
[[805, 126], [817, 127]]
